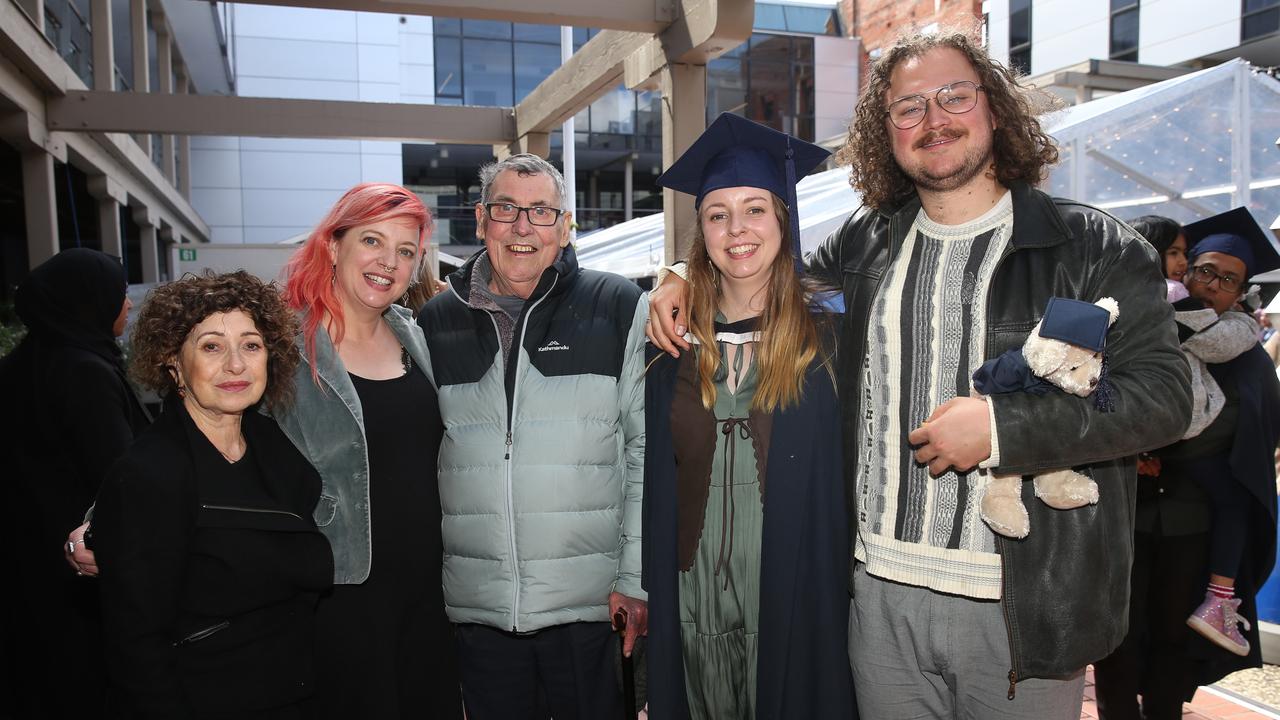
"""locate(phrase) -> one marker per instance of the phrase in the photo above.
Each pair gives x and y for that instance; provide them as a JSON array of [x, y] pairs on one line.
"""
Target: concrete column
[[141, 64], [164, 66], [684, 117], [167, 239], [110, 196], [183, 160], [40, 203], [147, 222], [104, 55], [627, 191]]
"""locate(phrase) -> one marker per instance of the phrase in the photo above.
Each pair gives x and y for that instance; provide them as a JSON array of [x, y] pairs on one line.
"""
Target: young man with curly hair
[[950, 262]]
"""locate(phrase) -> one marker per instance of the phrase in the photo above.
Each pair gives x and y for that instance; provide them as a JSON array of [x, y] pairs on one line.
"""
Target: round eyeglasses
[[1206, 274], [956, 98], [509, 213]]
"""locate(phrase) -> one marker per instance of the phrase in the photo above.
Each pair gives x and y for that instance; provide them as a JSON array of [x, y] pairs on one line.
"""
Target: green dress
[[720, 593]]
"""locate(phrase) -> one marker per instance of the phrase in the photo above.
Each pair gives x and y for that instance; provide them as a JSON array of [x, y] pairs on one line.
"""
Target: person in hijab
[[746, 534], [72, 414]]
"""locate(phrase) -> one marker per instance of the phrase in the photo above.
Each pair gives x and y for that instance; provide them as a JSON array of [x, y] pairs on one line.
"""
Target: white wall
[[835, 80], [1175, 31], [997, 12], [1064, 32], [263, 190]]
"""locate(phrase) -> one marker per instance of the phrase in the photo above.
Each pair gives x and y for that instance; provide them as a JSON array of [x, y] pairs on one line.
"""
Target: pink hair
[[309, 274]]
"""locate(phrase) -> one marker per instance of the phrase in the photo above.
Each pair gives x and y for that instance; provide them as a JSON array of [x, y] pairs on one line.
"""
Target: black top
[[402, 428], [210, 571]]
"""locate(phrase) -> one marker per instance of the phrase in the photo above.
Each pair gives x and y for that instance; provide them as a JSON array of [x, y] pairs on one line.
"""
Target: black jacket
[[1066, 586], [208, 590]]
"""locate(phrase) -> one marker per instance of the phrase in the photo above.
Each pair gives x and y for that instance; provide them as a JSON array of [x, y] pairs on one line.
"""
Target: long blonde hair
[[788, 335]]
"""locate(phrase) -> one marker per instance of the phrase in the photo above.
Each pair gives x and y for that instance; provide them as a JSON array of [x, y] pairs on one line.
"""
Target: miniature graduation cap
[[736, 152], [1076, 322], [1234, 233]]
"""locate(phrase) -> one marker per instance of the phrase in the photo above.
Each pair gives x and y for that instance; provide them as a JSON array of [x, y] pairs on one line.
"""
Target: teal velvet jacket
[[326, 423]]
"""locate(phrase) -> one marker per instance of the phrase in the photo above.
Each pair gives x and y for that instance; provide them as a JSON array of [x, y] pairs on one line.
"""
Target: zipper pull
[[508, 457], [1013, 680]]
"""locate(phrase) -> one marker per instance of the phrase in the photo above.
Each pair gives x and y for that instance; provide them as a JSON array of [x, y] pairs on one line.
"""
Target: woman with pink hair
[[367, 416]]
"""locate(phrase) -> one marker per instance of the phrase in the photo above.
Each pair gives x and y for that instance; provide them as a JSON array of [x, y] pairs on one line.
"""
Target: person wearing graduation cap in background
[[1211, 511], [746, 532]]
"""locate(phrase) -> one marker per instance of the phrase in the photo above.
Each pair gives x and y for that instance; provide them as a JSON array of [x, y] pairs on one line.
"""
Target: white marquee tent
[[1187, 148]]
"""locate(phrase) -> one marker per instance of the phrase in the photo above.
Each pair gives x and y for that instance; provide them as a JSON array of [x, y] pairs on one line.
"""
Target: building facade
[[797, 73]]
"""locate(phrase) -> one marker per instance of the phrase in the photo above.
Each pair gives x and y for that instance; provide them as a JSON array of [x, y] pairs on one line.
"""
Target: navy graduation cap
[[1076, 322], [736, 152], [1234, 233]]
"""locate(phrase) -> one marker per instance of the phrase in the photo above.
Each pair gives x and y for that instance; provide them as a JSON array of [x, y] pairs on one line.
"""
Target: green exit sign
[[187, 254]]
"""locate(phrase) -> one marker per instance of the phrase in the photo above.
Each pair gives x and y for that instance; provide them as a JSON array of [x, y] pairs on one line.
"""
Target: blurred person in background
[[72, 414]]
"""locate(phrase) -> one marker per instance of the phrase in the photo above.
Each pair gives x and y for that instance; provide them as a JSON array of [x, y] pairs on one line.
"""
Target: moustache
[[936, 135]]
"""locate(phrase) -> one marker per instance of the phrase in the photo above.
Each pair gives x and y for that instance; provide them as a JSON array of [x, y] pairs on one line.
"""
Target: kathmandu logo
[[553, 345]]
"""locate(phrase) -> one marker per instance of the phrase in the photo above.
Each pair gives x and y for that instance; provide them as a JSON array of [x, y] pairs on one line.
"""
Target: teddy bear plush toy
[[1066, 351]]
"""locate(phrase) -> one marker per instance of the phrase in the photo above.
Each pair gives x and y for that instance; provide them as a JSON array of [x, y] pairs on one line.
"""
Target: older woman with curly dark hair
[[211, 561]]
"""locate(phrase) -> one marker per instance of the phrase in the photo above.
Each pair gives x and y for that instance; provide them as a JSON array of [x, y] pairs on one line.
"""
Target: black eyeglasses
[[509, 213], [956, 98], [1206, 275]]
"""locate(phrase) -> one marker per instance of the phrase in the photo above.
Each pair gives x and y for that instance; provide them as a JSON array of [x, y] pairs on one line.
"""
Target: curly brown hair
[[1022, 151], [172, 310]]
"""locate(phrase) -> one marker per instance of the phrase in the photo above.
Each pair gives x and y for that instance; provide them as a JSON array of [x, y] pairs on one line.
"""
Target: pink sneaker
[[1217, 620]]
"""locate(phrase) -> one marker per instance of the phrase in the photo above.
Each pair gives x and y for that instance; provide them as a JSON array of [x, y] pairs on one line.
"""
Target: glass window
[[487, 64], [534, 63], [1020, 61], [122, 37], [802, 50], [448, 67], [1260, 17], [446, 26], [1124, 35], [614, 113], [819, 21], [538, 33], [769, 95], [1019, 23], [1123, 4], [495, 29], [726, 87], [770, 17], [770, 48]]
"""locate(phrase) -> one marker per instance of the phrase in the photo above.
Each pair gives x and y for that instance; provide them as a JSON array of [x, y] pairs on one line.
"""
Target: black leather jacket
[[1066, 586]]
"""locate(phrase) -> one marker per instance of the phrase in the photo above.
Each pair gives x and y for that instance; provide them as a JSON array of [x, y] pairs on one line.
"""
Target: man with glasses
[[539, 366], [951, 262], [1206, 521]]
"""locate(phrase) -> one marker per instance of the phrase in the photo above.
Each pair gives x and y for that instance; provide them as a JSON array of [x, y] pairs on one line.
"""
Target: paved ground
[[1217, 703]]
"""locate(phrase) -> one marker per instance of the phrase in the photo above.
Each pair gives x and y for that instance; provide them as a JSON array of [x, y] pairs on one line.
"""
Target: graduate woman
[[746, 532]]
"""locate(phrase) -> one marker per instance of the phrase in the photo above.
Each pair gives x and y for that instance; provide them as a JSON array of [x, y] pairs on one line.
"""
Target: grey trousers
[[916, 653]]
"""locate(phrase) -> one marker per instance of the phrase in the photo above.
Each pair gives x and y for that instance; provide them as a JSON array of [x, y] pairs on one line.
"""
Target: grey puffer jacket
[[542, 461], [325, 422]]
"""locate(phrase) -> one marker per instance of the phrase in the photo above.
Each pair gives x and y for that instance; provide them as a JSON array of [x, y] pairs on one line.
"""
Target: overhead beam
[[81, 111], [705, 30], [647, 16]]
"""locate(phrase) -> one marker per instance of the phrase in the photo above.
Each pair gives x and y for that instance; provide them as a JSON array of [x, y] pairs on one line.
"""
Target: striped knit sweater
[[926, 338]]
